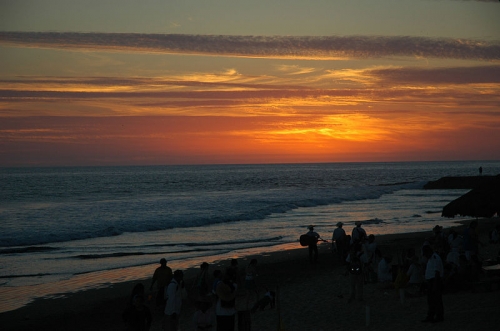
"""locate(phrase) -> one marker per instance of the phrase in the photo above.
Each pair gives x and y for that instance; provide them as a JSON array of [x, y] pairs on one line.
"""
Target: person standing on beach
[[358, 234], [455, 243], [433, 273], [225, 309], [200, 284], [355, 272], [370, 247], [471, 241], [137, 290], [234, 265], [339, 241], [162, 276], [313, 244], [495, 235], [217, 278], [204, 316], [384, 270], [439, 241], [174, 302], [415, 274], [137, 316], [250, 281]]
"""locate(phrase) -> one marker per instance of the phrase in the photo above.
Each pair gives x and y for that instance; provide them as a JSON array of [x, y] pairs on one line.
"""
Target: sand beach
[[310, 298]]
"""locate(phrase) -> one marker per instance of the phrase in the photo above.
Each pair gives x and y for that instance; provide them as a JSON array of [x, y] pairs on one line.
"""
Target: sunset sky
[[126, 82]]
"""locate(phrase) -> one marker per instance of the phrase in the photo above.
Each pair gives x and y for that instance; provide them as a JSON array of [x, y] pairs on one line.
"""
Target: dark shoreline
[[100, 309]]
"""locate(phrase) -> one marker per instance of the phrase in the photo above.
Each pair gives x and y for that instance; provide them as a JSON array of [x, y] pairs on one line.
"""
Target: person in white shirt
[[455, 243], [225, 309], [204, 316], [384, 270], [173, 294], [433, 273], [414, 273]]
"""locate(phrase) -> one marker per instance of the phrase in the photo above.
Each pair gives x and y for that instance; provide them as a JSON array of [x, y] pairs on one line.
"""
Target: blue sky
[[429, 18]]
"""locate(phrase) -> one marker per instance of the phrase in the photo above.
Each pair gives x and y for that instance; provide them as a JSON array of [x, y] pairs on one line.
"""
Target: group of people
[[214, 297], [357, 251], [341, 242], [450, 262], [446, 261], [169, 287]]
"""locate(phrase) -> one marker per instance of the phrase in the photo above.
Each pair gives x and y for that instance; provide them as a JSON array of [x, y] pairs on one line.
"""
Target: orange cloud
[[291, 114], [195, 139]]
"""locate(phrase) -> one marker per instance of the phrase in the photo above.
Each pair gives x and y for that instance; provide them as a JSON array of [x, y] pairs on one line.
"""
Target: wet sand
[[310, 298]]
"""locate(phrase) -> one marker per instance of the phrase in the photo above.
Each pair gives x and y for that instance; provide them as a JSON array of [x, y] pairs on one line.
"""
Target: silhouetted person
[[355, 272], [200, 284], [339, 241], [225, 308], [235, 268], [384, 269], [137, 316], [162, 276], [204, 316], [358, 234], [174, 302], [250, 281], [217, 278], [471, 240], [480, 170], [433, 273], [313, 244], [137, 290]]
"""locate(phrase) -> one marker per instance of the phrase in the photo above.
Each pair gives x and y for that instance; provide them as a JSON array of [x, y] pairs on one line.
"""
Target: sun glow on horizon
[[220, 88]]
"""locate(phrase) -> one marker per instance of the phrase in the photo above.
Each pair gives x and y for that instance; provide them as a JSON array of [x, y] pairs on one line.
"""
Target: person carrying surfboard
[[313, 244]]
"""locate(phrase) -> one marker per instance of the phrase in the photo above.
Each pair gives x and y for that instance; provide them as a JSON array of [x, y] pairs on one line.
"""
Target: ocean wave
[[196, 207], [102, 256], [398, 183], [128, 216], [126, 254], [110, 231], [232, 242], [25, 275], [29, 249], [373, 221], [200, 247]]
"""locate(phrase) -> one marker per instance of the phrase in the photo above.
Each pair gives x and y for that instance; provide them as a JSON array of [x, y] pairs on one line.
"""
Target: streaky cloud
[[321, 47], [454, 75], [139, 82], [7, 95]]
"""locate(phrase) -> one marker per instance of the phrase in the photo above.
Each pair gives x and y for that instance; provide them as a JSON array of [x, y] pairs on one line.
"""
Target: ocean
[[69, 229]]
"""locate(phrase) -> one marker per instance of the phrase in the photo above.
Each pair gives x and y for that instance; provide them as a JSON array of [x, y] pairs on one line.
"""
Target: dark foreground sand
[[309, 298]]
